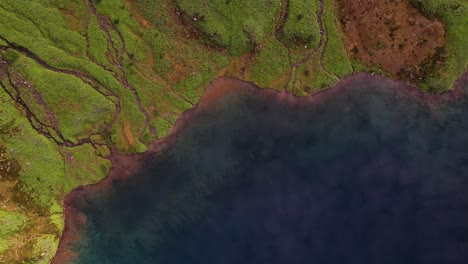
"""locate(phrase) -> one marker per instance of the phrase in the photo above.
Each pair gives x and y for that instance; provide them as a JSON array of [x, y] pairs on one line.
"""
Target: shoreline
[[125, 165]]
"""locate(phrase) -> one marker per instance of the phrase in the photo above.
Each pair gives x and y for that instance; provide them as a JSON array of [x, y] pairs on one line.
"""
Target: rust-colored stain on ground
[[391, 33], [141, 20], [223, 87], [128, 133]]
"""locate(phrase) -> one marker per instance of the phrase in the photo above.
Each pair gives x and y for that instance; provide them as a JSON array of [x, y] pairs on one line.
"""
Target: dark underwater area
[[365, 173]]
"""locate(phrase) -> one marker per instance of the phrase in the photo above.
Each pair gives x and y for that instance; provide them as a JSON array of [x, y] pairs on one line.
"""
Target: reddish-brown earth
[[394, 34]]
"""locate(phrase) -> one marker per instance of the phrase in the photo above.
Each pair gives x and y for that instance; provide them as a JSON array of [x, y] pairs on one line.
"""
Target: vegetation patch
[[238, 25], [449, 62], [335, 55], [11, 223], [301, 27]]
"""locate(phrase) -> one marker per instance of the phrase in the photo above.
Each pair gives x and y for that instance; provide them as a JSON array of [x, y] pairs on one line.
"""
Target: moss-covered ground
[[82, 78], [438, 77]]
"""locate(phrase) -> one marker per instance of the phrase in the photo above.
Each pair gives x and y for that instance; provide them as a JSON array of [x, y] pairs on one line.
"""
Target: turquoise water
[[363, 175]]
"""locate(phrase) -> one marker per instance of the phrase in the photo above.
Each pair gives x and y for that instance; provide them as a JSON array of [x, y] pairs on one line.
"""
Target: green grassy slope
[[301, 27], [237, 25], [454, 15], [80, 78]]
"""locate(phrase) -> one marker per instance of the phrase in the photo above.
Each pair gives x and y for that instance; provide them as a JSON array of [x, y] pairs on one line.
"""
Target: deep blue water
[[365, 175]]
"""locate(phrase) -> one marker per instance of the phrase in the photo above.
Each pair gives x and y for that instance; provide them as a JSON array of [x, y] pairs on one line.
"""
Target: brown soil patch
[[71, 14], [21, 243], [128, 133], [141, 20], [219, 88], [237, 67], [179, 71], [394, 34]]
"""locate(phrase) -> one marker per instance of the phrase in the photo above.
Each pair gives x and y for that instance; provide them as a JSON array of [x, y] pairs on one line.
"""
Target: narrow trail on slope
[[34, 120], [281, 20], [337, 26], [19, 83], [88, 49], [85, 78], [105, 24], [325, 44], [321, 45], [36, 123]]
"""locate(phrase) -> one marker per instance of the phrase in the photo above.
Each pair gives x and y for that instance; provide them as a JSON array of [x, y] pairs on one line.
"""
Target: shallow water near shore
[[365, 174]]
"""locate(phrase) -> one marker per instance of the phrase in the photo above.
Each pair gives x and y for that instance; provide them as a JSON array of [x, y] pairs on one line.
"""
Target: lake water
[[363, 174]]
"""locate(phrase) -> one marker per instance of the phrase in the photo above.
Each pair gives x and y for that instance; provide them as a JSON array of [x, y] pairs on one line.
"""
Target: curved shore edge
[[125, 165]]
